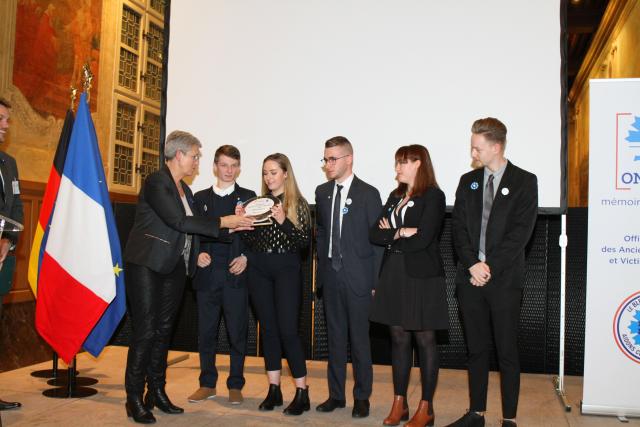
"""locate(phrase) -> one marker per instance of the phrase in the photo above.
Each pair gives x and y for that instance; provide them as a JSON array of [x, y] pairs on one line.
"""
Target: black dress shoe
[[360, 408], [330, 404], [300, 402], [9, 405], [273, 399], [509, 423], [135, 408], [470, 419], [158, 397]]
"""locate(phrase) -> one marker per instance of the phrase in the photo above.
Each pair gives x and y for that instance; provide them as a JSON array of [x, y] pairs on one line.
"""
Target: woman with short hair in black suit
[[411, 295], [160, 253], [275, 280]]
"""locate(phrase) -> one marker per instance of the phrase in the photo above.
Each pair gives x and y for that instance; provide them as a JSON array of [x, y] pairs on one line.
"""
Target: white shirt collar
[[224, 192], [346, 184]]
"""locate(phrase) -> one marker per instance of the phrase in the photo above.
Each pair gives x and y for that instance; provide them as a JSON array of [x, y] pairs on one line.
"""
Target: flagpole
[[74, 93], [87, 79]]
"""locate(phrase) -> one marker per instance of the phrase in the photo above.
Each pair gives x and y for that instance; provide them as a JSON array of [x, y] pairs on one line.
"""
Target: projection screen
[[286, 75]]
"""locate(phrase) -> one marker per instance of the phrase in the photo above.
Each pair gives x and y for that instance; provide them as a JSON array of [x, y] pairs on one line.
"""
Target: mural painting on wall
[[54, 39]]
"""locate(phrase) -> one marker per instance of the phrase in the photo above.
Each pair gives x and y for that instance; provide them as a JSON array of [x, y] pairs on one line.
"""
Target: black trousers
[[275, 288], [153, 300], [347, 316], [219, 297], [485, 309]]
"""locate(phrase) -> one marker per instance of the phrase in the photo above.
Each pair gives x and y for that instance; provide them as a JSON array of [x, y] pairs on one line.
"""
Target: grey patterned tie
[[487, 202], [336, 256]]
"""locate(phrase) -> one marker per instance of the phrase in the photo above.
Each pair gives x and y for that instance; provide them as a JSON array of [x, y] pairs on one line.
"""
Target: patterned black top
[[282, 238]]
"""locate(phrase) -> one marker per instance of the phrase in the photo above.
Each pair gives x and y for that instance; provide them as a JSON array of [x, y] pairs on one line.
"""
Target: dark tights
[[402, 358]]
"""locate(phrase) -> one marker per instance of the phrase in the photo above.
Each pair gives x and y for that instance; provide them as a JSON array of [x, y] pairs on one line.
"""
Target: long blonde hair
[[292, 195]]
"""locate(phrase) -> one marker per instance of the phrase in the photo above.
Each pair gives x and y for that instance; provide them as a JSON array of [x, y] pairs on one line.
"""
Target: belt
[[391, 250]]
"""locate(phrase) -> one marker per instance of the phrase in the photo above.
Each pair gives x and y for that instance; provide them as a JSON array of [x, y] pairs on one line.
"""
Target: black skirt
[[414, 304]]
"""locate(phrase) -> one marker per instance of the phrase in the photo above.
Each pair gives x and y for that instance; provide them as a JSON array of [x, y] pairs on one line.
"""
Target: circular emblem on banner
[[626, 327]]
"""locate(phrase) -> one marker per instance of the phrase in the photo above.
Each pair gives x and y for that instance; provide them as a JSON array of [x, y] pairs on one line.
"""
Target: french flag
[[79, 272]]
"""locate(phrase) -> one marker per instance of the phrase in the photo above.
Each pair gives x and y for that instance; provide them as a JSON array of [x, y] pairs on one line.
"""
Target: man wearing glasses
[[348, 265]]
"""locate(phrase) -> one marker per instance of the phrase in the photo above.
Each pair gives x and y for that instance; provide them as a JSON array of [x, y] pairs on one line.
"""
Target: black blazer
[[11, 206], [360, 259], [204, 201], [513, 216], [421, 251], [157, 238]]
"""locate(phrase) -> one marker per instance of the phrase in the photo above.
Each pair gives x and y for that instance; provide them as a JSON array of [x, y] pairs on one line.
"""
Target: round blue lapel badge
[[474, 185], [345, 210]]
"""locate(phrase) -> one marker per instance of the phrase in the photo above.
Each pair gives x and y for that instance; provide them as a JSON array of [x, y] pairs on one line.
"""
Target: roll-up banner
[[612, 336]]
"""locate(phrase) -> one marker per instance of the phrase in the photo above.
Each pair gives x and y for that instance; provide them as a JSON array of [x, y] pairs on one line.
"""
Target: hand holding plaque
[[259, 209]]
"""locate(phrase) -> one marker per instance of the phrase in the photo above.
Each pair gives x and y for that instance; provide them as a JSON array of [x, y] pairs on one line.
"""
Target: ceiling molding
[[612, 21]]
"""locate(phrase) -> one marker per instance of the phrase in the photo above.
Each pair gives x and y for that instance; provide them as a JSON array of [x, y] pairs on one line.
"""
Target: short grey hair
[[179, 140]]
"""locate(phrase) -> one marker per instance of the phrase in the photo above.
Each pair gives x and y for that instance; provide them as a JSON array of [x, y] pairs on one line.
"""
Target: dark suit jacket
[[360, 259], [11, 206], [158, 233], [204, 206], [421, 251], [513, 216]]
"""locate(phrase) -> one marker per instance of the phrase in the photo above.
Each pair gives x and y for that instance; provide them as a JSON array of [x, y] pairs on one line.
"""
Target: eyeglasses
[[332, 160], [195, 157]]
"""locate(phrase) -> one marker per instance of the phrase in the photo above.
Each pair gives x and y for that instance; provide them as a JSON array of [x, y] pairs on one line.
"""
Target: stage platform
[[539, 405]]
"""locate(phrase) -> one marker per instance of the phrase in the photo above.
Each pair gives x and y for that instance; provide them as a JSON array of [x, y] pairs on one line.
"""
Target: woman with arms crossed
[[411, 295]]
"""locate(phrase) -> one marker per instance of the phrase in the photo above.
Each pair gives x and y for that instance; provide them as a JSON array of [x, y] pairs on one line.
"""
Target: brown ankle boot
[[421, 418], [399, 412]]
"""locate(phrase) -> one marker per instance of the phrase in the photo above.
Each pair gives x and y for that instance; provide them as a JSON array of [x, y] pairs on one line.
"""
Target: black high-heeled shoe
[[300, 402], [135, 408], [273, 399], [158, 397]]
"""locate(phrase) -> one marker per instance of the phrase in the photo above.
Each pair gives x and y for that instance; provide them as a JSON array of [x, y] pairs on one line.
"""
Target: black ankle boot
[[136, 409], [158, 397], [273, 399], [300, 402]]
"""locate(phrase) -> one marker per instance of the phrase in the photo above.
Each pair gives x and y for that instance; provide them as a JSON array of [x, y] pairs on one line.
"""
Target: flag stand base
[[63, 392], [62, 381], [52, 373], [73, 387]]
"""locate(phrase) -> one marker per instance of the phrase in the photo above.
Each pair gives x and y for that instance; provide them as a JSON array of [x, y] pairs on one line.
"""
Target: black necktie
[[336, 257], [487, 203]]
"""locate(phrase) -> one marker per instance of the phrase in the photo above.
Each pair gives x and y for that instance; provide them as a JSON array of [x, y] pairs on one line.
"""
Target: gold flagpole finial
[[87, 78], [74, 94]]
